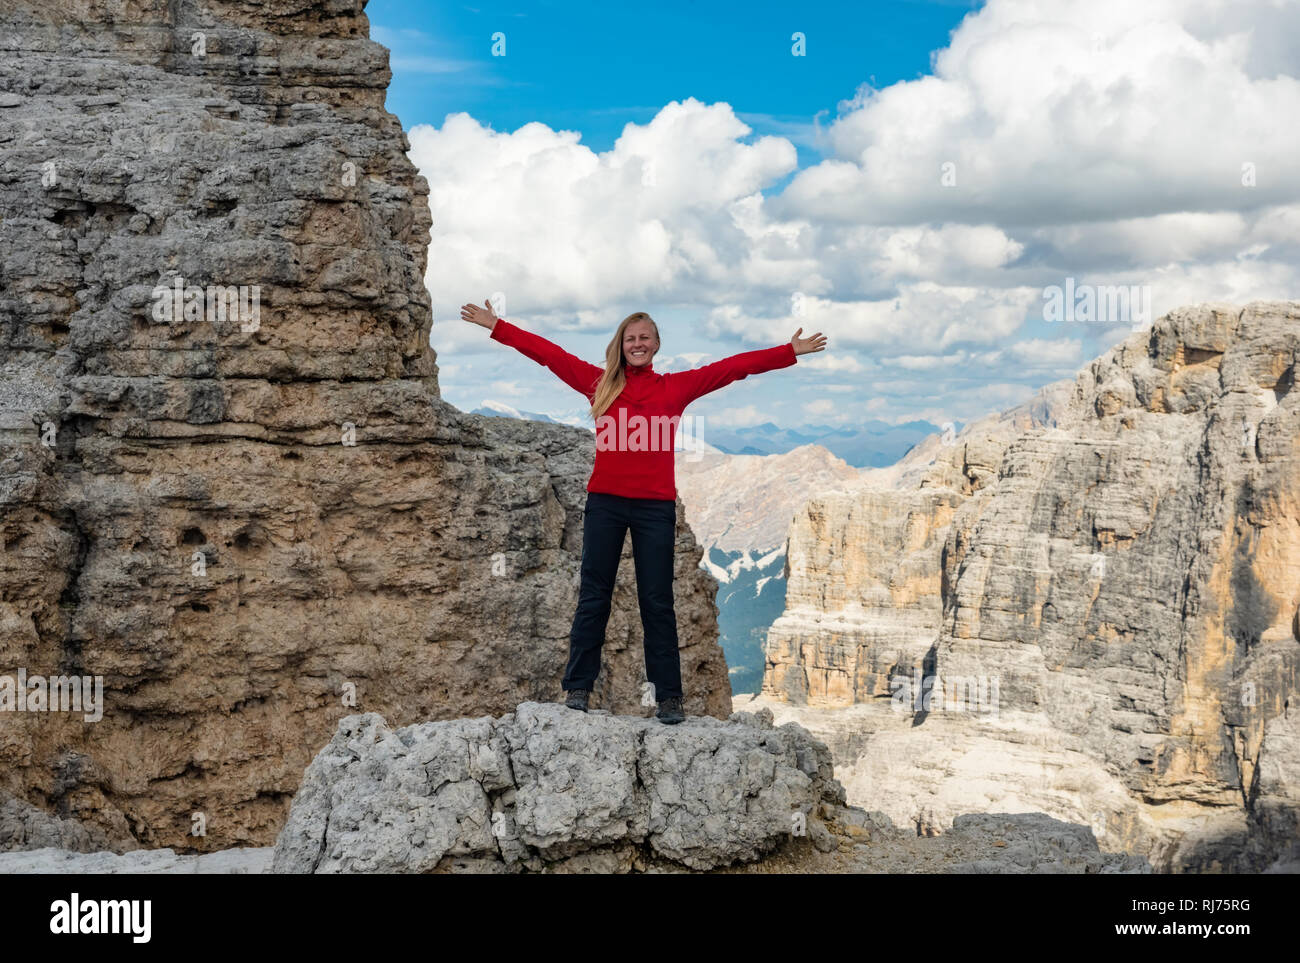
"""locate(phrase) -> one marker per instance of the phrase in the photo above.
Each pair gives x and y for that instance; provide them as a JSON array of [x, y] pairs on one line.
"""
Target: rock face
[[545, 785], [1129, 583], [863, 594], [864, 569], [546, 789], [241, 510], [744, 503], [740, 507], [25, 827]]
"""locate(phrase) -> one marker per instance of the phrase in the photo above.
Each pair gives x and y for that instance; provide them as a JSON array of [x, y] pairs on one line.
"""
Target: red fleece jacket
[[635, 436]]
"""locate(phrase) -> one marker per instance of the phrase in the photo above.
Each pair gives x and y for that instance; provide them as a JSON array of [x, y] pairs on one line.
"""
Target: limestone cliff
[[228, 485], [1130, 581], [863, 562]]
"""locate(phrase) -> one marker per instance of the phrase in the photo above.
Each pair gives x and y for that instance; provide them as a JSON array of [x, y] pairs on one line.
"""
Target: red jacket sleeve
[[710, 377], [581, 376]]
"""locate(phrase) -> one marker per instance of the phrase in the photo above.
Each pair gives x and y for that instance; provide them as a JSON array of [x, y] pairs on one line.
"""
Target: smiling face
[[639, 343]]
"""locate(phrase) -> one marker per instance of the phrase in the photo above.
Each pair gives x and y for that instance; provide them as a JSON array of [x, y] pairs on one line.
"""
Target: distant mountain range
[[576, 417], [873, 444]]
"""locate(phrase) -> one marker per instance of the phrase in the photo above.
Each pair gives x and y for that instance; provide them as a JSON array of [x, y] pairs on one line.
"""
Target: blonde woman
[[633, 482]]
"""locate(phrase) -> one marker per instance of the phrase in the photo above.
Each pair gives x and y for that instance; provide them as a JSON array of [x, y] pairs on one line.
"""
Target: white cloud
[[1103, 142], [1052, 111], [511, 388], [820, 408], [556, 225], [922, 314], [739, 417]]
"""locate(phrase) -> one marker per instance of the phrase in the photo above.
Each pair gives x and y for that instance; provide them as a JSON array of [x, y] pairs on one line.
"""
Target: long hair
[[613, 380]]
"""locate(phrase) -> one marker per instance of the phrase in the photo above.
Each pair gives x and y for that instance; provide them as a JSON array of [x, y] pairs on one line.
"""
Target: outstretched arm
[[710, 377], [581, 376]]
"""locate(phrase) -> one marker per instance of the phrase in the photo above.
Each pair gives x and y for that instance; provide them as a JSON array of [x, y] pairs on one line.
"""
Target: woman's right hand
[[484, 317]]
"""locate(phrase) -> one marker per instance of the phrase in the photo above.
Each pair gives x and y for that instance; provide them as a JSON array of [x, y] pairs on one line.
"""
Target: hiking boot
[[577, 699], [670, 711]]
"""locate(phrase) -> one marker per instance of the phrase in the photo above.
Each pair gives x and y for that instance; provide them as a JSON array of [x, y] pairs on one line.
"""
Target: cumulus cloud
[[1110, 143], [1044, 111], [924, 314], [559, 226]]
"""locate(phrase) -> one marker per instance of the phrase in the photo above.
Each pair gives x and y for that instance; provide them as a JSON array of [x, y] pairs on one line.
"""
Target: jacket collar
[[633, 371]]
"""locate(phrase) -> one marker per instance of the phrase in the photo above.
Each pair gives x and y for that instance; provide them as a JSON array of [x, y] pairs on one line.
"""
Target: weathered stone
[[25, 827], [546, 784], [182, 511], [1128, 578], [140, 861]]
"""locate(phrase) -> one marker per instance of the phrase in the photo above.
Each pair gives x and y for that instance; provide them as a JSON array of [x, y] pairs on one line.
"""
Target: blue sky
[[593, 67], [912, 186]]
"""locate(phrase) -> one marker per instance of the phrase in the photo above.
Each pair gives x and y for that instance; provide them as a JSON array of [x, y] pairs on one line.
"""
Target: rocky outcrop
[[1128, 581], [25, 827], [546, 789], [546, 785], [250, 513], [863, 565]]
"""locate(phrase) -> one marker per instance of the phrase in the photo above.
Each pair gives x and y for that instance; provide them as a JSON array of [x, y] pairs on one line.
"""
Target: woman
[[633, 483]]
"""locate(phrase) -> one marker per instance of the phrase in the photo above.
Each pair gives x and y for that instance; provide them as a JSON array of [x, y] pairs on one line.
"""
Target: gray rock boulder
[[546, 788], [25, 827]]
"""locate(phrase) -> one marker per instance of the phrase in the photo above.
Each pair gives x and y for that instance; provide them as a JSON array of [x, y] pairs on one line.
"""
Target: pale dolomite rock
[[744, 503], [1129, 575], [546, 785], [140, 861], [197, 532]]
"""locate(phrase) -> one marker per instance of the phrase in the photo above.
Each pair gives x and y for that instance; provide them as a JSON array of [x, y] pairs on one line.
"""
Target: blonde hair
[[613, 380]]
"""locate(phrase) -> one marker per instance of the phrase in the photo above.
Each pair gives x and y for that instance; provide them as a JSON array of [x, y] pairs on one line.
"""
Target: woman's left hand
[[815, 342]]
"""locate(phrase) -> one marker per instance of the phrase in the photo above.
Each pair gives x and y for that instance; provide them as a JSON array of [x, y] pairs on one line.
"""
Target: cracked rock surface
[[183, 511], [1127, 572], [546, 789], [545, 785]]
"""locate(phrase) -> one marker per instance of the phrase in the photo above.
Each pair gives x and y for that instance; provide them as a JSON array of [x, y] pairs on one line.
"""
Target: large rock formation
[[863, 562], [546, 789], [740, 507], [545, 785], [243, 513], [1127, 581]]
